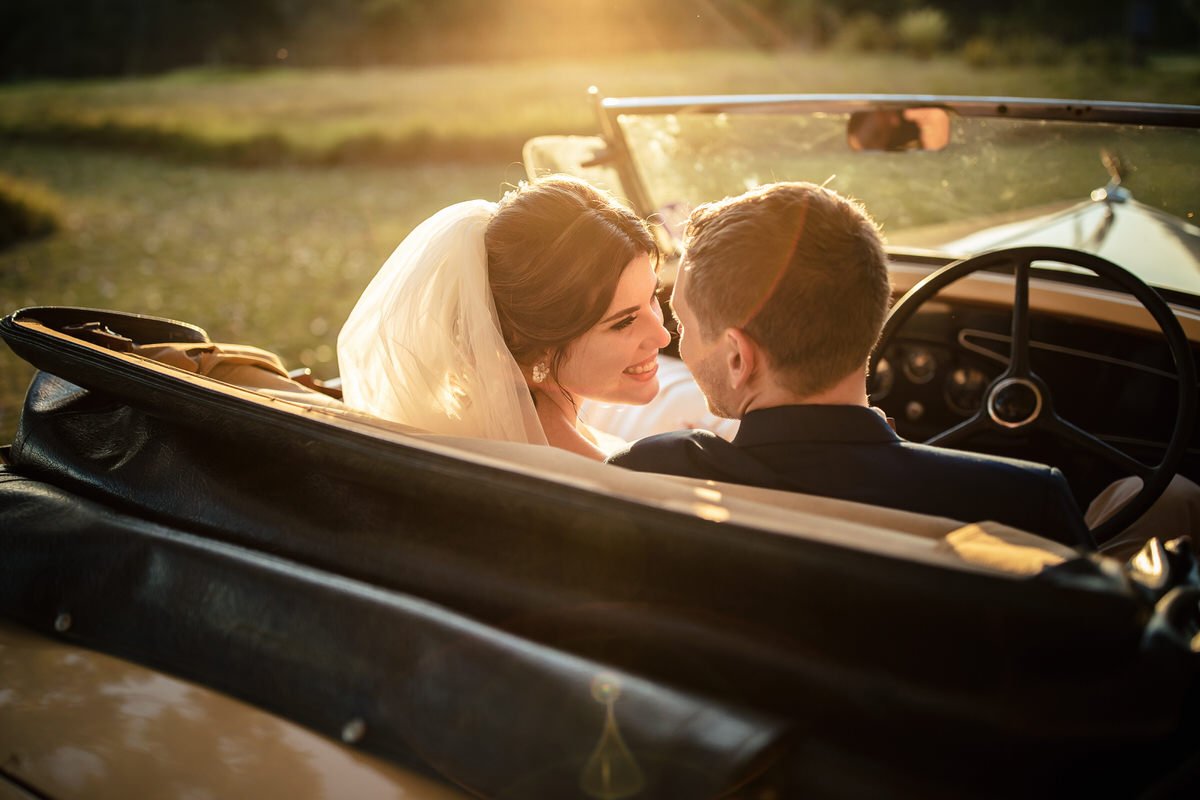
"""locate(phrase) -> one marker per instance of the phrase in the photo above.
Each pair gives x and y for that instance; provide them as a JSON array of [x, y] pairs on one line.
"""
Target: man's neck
[[849, 391]]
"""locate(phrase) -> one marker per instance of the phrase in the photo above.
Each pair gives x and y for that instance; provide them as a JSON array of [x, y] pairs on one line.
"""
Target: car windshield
[[1127, 192]]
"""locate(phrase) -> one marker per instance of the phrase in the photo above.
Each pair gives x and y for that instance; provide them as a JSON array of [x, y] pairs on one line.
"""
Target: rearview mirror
[[894, 129]]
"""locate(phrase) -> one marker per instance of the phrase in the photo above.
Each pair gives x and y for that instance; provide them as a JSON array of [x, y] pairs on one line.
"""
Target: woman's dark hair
[[556, 249]]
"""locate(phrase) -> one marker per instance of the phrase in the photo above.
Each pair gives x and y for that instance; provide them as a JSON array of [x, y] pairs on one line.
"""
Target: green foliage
[[864, 32], [265, 148], [1035, 49], [1025, 49], [981, 52], [75, 38], [477, 114], [813, 23], [27, 210], [921, 32], [1106, 54]]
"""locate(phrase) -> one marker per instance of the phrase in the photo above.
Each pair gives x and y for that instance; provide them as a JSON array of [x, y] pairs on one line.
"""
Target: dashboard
[[1117, 384]]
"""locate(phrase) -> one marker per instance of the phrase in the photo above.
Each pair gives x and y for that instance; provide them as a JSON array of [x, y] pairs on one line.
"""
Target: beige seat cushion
[[237, 364], [1007, 549]]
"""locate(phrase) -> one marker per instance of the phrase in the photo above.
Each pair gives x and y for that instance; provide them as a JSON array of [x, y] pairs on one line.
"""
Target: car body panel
[[82, 724], [1165, 248], [161, 510]]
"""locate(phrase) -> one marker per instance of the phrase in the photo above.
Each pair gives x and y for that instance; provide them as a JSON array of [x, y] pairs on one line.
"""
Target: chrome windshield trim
[[1157, 114]]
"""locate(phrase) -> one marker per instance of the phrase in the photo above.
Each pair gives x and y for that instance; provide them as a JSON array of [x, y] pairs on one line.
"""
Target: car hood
[[1162, 249]]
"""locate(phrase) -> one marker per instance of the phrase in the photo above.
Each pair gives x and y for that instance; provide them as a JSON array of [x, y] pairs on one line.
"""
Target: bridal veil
[[423, 345]]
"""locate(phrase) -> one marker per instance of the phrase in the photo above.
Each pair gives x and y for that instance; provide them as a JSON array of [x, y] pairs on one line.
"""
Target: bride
[[497, 320]]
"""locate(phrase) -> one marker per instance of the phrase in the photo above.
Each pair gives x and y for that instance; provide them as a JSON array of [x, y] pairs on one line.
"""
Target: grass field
[[485, 112], [275, 255], [271, 257]]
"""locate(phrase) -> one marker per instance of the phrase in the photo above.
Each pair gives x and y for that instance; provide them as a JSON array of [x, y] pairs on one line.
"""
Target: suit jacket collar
[[814, 423]]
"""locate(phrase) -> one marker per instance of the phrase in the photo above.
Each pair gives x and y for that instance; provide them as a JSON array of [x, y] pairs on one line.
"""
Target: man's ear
[[742, 357]]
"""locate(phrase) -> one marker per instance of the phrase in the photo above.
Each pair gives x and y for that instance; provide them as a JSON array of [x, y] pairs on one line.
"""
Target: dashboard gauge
[[880, 383], [919, 364], [964, 390]]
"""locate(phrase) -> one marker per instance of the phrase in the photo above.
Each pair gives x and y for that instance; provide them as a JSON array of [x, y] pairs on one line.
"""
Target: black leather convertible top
[[463, 609]]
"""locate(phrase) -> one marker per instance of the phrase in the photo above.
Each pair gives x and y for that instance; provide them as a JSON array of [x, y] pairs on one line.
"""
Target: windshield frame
[[619, 152]]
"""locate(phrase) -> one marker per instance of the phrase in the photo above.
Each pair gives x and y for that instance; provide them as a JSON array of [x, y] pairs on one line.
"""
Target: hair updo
[[556, 249]]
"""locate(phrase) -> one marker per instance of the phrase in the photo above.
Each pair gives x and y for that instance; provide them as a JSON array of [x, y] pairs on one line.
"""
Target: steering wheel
[[1018, 401]]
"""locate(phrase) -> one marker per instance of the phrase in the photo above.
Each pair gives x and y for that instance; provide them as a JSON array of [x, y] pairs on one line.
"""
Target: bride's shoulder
[[576, 436], [606, 442]]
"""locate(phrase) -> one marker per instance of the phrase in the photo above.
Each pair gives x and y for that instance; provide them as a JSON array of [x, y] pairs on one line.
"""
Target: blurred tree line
[[77, 38]]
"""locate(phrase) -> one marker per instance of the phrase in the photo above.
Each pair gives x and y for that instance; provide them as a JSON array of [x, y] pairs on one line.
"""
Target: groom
[[780, 297]]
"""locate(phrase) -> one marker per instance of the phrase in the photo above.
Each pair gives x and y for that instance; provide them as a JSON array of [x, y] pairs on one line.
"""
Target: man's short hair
[[800, 269]]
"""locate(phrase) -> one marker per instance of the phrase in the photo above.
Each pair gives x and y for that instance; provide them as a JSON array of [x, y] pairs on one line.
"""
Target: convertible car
[[218, 580]]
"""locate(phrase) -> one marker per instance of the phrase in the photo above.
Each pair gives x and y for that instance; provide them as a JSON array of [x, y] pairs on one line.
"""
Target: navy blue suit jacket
[[851, 453]]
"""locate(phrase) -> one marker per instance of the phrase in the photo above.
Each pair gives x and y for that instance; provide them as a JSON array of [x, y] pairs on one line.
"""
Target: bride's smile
[[645, 370], [616, 361]]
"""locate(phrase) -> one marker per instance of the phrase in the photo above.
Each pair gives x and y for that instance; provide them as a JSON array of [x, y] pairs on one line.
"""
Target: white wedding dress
[[423, 345]]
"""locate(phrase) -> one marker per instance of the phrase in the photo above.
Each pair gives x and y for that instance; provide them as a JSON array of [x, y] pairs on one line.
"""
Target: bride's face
[[616, 361]]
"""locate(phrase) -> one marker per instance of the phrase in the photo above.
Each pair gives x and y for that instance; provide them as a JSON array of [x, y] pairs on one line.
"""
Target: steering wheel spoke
[[1078, 437], [1019, 365], [960, 432]]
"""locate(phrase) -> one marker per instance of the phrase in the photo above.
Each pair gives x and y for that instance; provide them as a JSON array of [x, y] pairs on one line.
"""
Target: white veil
[[423, 345]]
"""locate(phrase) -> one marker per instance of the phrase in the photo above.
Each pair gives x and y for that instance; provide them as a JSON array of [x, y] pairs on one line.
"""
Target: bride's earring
[[540, 372]]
